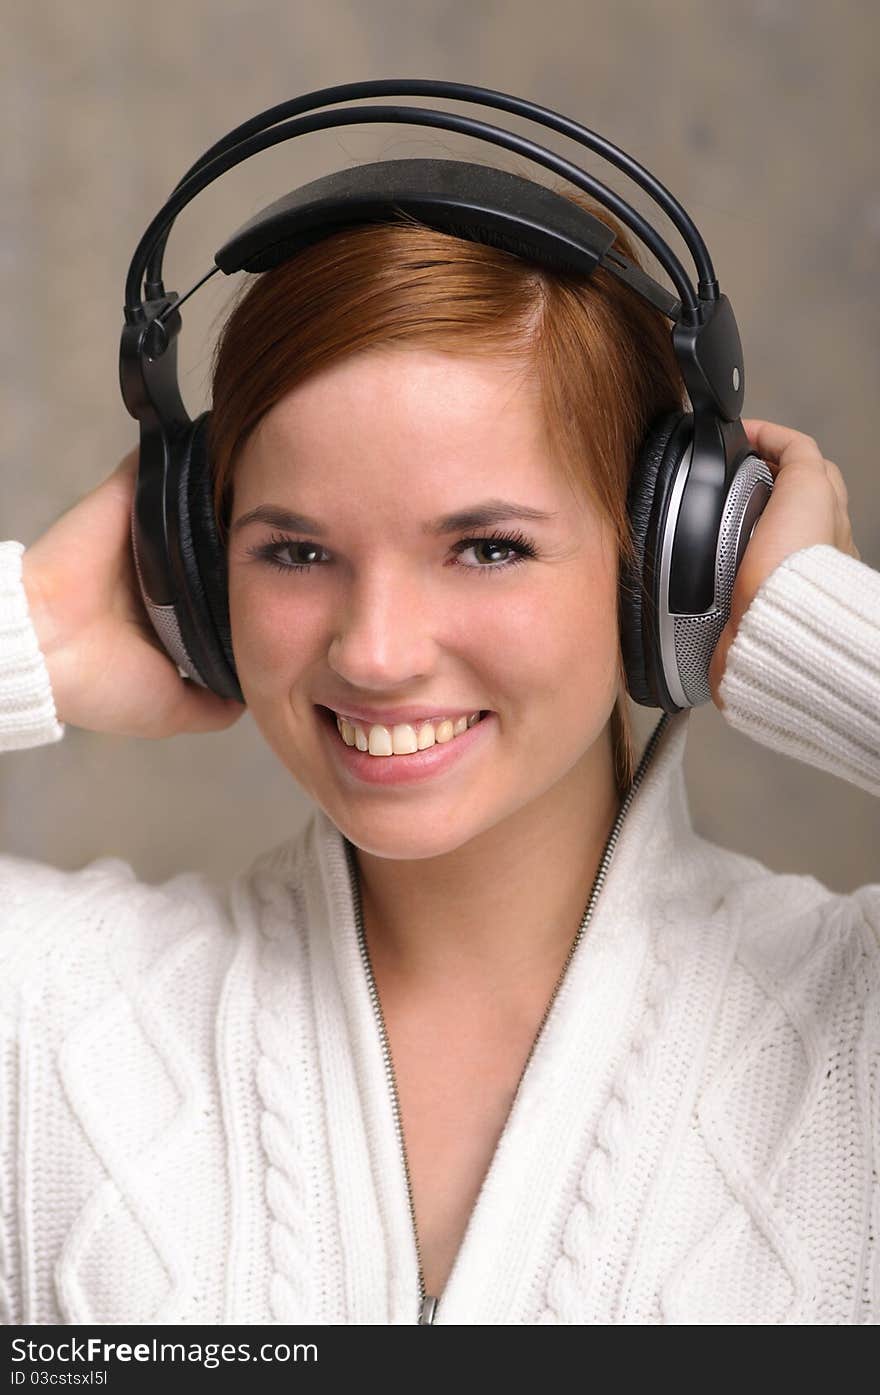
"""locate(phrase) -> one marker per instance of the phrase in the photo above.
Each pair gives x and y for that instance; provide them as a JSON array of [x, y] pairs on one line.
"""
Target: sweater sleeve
[[803, 673], [27, 705]]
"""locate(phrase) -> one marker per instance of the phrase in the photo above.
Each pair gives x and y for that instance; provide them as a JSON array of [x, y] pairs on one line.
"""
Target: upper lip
[[391, 716]]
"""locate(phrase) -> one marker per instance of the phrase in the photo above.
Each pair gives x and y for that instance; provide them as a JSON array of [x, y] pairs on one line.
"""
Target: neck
[[499, 912]]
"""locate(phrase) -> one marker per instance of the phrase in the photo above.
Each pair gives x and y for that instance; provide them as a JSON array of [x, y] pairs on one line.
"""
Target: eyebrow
[[480, 515]]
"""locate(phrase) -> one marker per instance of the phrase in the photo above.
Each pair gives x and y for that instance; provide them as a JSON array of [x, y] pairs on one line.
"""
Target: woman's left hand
[[808, 505]]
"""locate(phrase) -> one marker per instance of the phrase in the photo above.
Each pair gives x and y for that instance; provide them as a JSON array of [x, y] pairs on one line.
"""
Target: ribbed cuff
[[27, 705], [803, 674]]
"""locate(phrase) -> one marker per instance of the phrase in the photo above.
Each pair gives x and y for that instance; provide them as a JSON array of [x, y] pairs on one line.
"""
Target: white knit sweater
[[197, 1122]]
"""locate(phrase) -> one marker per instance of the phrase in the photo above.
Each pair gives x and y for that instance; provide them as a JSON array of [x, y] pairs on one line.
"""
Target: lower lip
[[402, 770]]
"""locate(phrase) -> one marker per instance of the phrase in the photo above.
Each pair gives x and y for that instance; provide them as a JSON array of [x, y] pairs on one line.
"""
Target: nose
[[383, 638]]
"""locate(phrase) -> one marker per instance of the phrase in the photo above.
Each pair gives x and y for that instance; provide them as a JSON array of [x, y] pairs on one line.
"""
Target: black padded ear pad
[[649, 485], [205, 556]]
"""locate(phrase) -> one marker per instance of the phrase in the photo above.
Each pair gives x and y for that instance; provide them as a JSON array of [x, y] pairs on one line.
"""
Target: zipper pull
[[427, 1310]]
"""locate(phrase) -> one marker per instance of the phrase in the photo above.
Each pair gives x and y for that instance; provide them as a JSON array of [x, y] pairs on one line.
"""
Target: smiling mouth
[[375, 739]]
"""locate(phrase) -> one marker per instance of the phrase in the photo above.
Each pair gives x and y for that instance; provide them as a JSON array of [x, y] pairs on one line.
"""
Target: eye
[[269, 552], [517, 543]]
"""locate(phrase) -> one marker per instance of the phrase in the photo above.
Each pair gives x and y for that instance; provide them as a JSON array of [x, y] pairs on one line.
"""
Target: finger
[[781, 445], [129, 462], [838, 483], [205, 711], [225, 709], [125, 473]]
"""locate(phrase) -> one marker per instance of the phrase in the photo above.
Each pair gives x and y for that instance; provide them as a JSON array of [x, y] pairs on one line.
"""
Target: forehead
[[390, 408], [392, 435]]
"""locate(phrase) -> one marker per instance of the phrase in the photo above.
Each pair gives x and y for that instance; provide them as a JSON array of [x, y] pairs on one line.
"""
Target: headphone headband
[[479, 202], [254, 136], [475, 202]]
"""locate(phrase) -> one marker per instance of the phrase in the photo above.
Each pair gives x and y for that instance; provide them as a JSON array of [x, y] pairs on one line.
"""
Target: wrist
[[38, 604]]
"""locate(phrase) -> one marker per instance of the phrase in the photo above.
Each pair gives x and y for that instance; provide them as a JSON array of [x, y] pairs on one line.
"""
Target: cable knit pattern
[[91, 1067], [282, 1022], [196, 1117], [779, 1166], [568, 1290]]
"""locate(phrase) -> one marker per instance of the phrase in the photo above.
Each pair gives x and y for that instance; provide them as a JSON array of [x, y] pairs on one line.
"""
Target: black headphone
[[696, 489]]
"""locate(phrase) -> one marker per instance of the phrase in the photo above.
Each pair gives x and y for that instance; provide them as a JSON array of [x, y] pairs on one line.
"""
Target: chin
[[397, 839]]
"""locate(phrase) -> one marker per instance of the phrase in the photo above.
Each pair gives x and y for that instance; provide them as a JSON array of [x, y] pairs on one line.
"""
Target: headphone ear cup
[[667, 653], [658, 461], [204, 561]]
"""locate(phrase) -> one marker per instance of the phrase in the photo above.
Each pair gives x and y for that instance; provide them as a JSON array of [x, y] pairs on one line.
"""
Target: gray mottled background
[[760, 116]]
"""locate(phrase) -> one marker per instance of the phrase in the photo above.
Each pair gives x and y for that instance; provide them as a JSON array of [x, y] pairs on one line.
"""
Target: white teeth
[[379, 742], [403, 739]]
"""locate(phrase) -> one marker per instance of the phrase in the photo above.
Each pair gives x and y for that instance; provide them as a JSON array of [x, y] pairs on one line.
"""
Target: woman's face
[[401, 610]]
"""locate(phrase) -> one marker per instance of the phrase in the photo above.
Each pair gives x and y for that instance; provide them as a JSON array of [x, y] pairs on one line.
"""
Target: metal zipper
[[428, 1303]]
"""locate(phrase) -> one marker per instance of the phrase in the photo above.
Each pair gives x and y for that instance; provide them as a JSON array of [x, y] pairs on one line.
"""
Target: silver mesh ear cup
[[165, 623], [687, 642]]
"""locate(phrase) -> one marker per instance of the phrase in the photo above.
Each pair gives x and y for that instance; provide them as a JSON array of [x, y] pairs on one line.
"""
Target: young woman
[[498, 1038]]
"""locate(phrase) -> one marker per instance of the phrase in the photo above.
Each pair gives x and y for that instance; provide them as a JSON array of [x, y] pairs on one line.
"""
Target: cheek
[[560, 641], [273, 637]]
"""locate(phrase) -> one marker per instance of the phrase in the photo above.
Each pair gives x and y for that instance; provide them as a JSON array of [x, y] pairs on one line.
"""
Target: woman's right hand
[[108, 670]]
